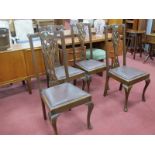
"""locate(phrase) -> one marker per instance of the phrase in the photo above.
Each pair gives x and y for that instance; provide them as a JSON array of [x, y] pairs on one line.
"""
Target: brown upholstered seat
[[73, 72], [64, 94], [127, 73], [91, 65]]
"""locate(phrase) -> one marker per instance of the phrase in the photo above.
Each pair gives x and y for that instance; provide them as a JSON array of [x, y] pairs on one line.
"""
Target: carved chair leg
[[120, 87], [53, 120], [147, 82], [127, 91], [90, 109], [43, 109], [28, 81], [106, 86]]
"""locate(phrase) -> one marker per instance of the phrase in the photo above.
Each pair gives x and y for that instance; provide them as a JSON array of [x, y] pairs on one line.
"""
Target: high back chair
[[74, 73], [60, 97], [90, 66], [127, 76]]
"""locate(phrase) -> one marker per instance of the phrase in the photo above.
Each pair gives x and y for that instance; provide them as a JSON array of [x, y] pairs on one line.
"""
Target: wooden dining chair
[[59, 97], [127, 76], [90, 66], [74, 73]]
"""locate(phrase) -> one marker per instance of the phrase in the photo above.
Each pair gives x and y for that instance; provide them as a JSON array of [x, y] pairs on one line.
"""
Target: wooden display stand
[[136, 24]]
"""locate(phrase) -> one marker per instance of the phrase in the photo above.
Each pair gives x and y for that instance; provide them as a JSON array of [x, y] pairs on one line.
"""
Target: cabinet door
[[29, 63], [12, 67]]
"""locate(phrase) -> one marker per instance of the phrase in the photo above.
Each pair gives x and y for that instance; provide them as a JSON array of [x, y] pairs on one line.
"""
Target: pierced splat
[[81, 34], [51, 55], [115, 42]]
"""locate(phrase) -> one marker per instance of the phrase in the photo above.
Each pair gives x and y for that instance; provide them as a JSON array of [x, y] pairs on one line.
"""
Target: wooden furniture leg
[[127, 92], [83, 83], [147, 82], [88, 82], [106, 85], [90, 109], [53, 120], [28, 81], [135, 44], [74, 82], [120, 87]]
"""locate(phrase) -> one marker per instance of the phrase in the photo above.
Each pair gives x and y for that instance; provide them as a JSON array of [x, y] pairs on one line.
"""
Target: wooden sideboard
[[16, 63]]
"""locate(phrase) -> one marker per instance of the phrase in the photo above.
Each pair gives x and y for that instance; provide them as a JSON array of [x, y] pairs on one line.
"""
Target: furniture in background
[[135, 34], [18, 64], [136, 24], [150, 39], [134, 41], [127, 76], [59, 97], [114, 21], [90, 66], [20, 55]]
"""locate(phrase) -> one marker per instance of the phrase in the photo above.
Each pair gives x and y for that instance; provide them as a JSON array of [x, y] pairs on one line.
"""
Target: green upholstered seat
[[98, 54]]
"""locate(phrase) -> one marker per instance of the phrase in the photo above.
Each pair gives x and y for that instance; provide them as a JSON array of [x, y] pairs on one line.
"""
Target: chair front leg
[[90, 109], [147, 82], [106, 85], [53, 120], [127, 91]]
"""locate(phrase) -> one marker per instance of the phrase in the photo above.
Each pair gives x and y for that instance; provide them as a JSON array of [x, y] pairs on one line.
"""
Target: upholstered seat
[[90, 65], [127, 73], [73, 72], [59, 96], [98, 54]]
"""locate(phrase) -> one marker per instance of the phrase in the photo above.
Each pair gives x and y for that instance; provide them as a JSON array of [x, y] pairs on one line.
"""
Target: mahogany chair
[[60, 97], [74, 73], [127, 76], [90, 66]]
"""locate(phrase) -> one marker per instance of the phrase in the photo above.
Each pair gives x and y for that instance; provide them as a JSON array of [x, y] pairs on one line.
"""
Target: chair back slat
[[116, 39], [82, 31]]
